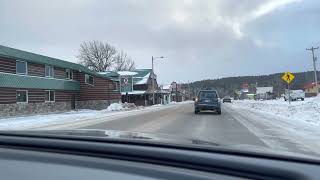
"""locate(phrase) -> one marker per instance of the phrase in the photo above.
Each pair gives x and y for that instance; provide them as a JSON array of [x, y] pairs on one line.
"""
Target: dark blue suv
[[207, 100]]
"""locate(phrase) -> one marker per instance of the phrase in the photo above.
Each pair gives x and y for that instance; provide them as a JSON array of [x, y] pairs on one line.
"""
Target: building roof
[[167, 87], [139, 76], [35, 82], [134, 93], [40, 59], [310, 85], [263, 90]]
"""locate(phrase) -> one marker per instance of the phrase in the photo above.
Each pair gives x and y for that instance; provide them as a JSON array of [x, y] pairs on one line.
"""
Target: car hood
[[154, 139]]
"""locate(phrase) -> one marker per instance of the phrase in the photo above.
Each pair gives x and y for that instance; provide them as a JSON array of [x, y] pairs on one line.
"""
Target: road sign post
[[288, 77], [289, 93], [126, 85]]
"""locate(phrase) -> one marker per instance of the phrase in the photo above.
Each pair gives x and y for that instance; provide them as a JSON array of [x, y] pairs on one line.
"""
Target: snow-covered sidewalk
[[280, 125], [302, 112], [70, 119]]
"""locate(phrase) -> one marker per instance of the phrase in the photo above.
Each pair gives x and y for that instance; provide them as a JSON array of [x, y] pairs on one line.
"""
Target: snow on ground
[[115, 107], [44, 121], [307, 111], [280, 125]]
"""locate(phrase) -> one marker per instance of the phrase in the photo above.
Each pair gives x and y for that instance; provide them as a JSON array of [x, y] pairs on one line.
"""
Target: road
[[233, 127], [181, 121]]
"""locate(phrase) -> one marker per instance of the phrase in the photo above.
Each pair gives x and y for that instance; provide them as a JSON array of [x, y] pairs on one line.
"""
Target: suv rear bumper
[[212, 107]]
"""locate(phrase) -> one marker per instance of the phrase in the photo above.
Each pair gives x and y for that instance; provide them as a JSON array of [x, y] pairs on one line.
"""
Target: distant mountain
[[227, 86]]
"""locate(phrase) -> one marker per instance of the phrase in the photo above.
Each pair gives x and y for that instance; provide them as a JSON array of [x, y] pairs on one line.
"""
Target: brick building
[[32, 83], [142, 93]]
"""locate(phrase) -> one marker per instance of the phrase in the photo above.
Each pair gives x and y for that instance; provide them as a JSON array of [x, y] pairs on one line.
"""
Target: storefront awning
[[134, 93]]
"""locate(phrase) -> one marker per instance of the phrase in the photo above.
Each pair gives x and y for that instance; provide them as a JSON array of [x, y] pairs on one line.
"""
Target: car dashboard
[[81, 158]]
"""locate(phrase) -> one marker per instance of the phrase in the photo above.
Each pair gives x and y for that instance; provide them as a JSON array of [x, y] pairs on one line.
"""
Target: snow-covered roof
[[106, 72], [140, 76], [134, 92], [127, 73], [167, 86], [263, 90], [144, 79]]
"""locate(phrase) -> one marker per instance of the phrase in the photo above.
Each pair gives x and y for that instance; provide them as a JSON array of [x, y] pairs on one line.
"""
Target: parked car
[[226, 99], [294, 95], [207, 100]]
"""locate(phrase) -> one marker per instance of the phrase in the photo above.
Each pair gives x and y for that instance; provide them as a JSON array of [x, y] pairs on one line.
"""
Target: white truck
[[294, 95]]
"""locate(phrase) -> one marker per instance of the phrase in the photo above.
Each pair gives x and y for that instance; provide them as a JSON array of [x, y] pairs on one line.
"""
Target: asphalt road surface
[[180, 120], [232, 127]]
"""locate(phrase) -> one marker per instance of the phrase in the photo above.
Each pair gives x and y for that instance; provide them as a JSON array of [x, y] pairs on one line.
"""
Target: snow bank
[[68, 118], [26, 122], [115, 107], [129, 106], [304, 111]]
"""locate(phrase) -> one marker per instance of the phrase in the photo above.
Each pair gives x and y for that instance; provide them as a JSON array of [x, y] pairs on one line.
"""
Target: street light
[[154, 58]]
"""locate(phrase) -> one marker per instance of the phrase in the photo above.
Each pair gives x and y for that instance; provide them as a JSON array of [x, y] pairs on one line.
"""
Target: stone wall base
[[19, 109], [95, 104]]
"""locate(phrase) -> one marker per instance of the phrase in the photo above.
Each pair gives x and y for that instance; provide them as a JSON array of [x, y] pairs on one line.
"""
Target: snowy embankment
[[307, 111], [79, 116], [281, 126]]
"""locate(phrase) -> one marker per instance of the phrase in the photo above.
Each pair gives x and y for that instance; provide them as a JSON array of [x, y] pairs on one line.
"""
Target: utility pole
[[314, 59], [153, 77], [189, 90], [152, 82]]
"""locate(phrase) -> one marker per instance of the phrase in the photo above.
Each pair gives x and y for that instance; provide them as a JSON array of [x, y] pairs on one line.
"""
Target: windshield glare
[[155, 71]]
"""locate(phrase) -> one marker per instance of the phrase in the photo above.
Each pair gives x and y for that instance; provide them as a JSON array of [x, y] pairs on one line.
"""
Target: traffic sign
[[126, 84], [288, 77]]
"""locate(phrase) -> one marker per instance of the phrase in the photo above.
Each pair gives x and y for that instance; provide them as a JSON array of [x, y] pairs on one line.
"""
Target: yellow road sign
[[288, 77]]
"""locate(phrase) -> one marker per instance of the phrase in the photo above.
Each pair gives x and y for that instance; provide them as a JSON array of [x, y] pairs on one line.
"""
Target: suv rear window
[[207, 94]]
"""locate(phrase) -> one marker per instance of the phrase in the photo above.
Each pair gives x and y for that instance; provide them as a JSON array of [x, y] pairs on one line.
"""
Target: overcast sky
[[201, 39]]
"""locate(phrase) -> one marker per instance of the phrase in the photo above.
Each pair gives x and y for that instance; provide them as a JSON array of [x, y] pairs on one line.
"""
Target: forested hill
[[227, 86]]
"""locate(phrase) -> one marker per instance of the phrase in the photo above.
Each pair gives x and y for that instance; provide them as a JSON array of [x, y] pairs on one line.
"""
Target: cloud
[[204, 38], [269, 7], [237, 23]]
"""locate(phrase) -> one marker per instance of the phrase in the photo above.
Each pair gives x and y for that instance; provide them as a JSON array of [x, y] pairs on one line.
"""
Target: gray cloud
[[201, 39]]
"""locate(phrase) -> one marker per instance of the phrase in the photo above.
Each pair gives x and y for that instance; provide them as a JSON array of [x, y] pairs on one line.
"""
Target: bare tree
[[97, 56], [123, 62]]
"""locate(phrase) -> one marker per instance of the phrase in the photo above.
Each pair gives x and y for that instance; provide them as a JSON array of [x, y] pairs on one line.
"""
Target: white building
[[264, 92]]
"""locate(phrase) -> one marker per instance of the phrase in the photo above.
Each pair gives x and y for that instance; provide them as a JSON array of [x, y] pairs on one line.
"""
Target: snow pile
[[157, 105], [62, 120], [129, 106], [115, 107], [33, 121], [304, 111]]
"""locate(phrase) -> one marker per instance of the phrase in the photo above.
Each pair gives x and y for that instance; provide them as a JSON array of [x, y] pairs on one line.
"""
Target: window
[[207, 94], [50, 97], [22, 96], [49, 71], [21, 67], [69, 74], [89, 79], [114, 86]]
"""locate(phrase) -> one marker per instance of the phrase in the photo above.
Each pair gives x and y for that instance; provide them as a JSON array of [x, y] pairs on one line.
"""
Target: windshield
[[160, 68], [207, 94]]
